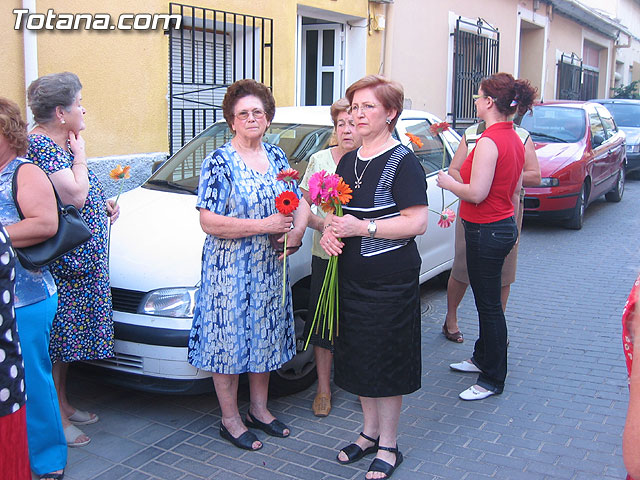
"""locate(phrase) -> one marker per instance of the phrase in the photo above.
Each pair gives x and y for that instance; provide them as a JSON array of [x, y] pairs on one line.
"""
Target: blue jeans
[[487, 246]]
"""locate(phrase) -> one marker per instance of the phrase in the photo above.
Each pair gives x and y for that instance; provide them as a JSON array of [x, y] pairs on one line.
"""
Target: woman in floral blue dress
[[83, 326], [240, 324]]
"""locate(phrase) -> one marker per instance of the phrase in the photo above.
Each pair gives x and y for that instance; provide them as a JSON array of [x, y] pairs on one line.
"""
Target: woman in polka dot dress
[[35, 295], [83, 325], [14, 454]]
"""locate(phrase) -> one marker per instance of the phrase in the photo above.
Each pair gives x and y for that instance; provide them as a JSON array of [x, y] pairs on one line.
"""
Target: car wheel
[[299, 373], [615, 195], [576, 220]]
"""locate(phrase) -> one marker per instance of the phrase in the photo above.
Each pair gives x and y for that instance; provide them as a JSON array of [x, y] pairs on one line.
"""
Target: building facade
[[152, 89]]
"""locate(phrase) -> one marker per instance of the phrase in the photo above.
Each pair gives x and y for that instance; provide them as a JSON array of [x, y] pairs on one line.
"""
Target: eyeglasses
[[364, 108], [244, 114], [476, 97]]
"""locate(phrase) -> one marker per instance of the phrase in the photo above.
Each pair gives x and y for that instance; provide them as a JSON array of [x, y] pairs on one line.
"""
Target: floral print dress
[[83, 326], [239, 323]]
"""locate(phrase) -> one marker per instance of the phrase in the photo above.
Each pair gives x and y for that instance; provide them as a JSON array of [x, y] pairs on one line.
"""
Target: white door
[[322, 78]]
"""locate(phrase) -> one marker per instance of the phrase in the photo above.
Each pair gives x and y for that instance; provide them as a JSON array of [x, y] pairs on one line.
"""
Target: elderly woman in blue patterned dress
[[240, 324], [83, 326]]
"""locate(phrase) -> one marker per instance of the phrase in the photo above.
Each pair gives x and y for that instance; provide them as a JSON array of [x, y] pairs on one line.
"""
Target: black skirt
[[319, 338], [378, 346]]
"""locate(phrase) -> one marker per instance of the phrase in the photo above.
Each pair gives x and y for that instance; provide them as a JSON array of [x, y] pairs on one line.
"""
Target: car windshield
[[181, 173], [625, 114], [552, 124]]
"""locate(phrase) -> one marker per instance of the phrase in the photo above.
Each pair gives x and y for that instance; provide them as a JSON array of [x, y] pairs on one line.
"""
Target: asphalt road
[[560, 417]]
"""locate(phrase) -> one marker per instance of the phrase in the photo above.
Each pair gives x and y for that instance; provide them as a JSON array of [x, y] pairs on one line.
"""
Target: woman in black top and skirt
[[377, 348]]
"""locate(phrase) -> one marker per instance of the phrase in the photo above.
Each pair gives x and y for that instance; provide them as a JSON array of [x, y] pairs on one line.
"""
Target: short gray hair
[[51, 91]]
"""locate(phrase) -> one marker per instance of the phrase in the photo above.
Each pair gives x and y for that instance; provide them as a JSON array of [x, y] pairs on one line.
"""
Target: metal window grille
[[212, 50], [575, 80], [476, 56], [589, 88], [569, 77]]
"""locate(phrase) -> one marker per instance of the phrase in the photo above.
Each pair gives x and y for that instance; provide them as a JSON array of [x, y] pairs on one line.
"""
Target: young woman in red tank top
[[490, 175]]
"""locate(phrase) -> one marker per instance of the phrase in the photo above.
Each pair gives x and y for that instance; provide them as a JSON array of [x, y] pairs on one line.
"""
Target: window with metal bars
[[476, 53], [212, 50]]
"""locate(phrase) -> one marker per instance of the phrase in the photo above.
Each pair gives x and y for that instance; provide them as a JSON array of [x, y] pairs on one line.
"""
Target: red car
[[582, 156]]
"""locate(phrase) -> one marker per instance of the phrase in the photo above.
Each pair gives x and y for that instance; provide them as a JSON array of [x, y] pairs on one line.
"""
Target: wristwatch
[[372, 228]]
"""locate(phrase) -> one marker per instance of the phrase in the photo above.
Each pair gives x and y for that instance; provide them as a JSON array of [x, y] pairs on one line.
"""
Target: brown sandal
[[453, 337]]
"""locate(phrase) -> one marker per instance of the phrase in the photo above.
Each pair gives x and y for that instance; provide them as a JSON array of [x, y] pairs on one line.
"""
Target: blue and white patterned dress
[[240, 324]]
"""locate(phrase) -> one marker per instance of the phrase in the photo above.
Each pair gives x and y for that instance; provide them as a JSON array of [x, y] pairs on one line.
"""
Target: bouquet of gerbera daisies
[[329, 192]]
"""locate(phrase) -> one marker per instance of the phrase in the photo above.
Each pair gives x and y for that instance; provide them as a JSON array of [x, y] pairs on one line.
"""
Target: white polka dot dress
[[12, 391]]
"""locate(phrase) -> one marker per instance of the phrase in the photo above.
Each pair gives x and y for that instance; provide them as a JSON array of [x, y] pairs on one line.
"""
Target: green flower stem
[[284, 271], [328, 300]]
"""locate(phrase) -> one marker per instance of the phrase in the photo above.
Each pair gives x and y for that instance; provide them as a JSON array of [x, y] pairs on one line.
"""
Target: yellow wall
[[12, 71], [125, 73]]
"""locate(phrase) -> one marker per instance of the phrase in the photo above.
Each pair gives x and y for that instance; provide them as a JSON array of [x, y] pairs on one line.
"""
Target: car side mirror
[[597, 140], [156, 165]]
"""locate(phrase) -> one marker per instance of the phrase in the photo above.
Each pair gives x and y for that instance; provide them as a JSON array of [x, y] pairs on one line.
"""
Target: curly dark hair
[[13, 127], [47, 93], [244, 88], [510, 95]]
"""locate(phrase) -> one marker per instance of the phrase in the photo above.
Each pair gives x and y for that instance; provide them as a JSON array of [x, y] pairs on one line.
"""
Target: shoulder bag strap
[[14, 191]]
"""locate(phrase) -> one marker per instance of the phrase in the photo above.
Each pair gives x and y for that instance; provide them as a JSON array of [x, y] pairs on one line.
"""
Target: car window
[[431, 151], [182, 171], [607, 121], [554, 124], [596, 126], [625, 114]]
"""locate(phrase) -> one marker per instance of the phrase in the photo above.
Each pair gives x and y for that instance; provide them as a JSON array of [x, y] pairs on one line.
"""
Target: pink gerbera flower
[[317, 190], [447, 217]]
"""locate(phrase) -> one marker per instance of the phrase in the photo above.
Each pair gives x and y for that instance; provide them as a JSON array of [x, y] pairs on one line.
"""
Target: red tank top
[[498, 204]]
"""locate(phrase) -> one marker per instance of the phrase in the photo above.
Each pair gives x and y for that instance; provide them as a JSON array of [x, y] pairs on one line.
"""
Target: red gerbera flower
[[288, 176], [438, 128], [287, 202]]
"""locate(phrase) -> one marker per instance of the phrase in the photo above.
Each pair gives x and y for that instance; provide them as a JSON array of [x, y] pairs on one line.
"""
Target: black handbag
[[72, 232]]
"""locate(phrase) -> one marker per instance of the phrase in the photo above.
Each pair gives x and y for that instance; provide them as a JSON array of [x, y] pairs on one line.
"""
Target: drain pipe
[[30, 55]]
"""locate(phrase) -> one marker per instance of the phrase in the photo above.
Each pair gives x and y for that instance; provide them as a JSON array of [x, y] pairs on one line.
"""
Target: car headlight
[[169, 302], [633, 148], [549, 182]]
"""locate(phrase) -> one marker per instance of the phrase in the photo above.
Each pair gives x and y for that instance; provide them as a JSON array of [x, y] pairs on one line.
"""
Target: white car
[[156, 248]]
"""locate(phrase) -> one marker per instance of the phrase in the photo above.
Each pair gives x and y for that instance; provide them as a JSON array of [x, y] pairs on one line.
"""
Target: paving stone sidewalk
[[560, 417]]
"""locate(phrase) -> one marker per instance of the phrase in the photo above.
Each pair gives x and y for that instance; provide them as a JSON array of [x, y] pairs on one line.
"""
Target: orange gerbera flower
[[119, 172], [287, 202], [414, 139], [344, 192]]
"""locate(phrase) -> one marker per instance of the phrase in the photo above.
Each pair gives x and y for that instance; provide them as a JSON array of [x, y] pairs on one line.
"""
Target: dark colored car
[[582, 156], [626, 113]]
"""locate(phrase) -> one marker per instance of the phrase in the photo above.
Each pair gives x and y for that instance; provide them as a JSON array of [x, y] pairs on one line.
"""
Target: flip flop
[[71, 434], [81, 417]]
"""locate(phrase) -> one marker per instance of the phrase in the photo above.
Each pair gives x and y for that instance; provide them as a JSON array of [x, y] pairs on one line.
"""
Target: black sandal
[[244, 441], [276, 428], [381, 466], [52, 476], [355, 453]]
